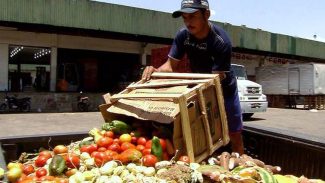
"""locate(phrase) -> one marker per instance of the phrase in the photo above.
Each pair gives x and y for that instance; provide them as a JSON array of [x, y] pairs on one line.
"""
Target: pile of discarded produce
[[119, 153]]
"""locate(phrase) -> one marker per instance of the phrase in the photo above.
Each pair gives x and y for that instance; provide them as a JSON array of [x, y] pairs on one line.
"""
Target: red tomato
[[140, 148], [185, 159], [60, 149], [127, 145], [101, 158], [109, 134], [101, 149], [104, 142], [134, 140], [148, 144], [72, 161], [146, 151], [115, 147], [28, 169], [41, 172], [141, 141], [163, 144], [116, 140], [88, 148], [149, 160], [165, 156], [40, 161], [46, 178], [47, 154]]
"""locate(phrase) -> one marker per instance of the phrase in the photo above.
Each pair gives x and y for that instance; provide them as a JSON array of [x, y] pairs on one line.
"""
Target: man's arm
[[169, 66]]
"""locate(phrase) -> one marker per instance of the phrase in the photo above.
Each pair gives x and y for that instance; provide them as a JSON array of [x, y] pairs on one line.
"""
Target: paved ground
[[298, 123], [305, 124]]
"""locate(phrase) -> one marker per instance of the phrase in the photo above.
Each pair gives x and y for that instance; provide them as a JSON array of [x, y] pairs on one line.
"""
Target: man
[[209, 51]]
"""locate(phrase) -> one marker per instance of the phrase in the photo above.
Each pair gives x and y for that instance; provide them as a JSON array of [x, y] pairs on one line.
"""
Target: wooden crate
[[200, 127]]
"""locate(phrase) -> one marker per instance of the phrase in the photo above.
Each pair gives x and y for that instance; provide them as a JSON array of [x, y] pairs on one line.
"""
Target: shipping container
[[292, 79]]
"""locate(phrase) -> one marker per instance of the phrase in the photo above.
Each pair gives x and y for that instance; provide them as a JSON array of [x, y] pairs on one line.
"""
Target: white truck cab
[[250, 93]]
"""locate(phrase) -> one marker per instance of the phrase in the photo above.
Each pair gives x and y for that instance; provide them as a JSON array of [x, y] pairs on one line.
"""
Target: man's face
[[195, 22]]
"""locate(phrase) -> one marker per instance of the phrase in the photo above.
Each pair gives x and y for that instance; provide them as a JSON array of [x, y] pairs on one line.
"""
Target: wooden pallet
[[314, 102]]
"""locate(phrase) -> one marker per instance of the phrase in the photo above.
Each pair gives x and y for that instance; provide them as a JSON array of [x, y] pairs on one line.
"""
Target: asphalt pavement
[[299, 123]]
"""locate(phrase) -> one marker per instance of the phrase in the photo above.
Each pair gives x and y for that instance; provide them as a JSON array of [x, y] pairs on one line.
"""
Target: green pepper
[[118, 127], [156, 148], [57, 165]]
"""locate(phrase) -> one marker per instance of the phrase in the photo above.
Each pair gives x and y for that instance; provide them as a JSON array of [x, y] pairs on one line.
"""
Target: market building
[[51, 50]]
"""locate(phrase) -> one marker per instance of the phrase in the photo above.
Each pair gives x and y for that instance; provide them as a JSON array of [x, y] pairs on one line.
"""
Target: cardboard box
[[192, 103]]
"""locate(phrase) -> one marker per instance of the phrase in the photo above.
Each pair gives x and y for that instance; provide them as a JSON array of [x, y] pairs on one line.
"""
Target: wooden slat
[[169, 75], [144, 95], [223, 117], [168, 83], [186, 127], [206, 125]]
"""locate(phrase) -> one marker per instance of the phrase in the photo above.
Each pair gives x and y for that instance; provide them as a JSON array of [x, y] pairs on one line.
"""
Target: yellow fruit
[[125, 138], [14, 174], [284, 179], [14, 165]]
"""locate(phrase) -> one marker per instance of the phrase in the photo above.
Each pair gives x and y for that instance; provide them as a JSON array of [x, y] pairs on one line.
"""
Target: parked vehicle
[[12, 103], [83, 103], [250, 93]]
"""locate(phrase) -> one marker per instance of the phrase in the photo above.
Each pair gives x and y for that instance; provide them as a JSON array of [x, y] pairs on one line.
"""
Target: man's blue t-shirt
[[210, 54]]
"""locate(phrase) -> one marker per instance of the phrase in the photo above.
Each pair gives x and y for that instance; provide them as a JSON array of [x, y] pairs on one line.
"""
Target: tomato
[[185, 159], [116, 140], [134, 140], [115, 147], [127, 145], [72, 161], [146, 151], [110, 153], [101, 158], [71, 172], [149, 160], [61, 180], [101, 149], [140, 148], [104, 142], [41, 172], [47, 154], [125, 138], [40, 161], [163, 144], [165, 156], [28, 169], [88, 148], [141, 141], [109, 134], [60, 149], [46, 178], [148, 144]]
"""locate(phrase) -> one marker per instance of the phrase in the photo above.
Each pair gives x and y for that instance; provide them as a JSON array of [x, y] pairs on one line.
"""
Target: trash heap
[[118, 153]]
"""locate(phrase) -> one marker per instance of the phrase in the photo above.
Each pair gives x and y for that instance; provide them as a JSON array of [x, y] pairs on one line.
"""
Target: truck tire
[[247, 116]]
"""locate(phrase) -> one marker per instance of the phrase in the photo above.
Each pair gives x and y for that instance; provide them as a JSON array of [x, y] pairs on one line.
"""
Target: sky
[[299, 18]]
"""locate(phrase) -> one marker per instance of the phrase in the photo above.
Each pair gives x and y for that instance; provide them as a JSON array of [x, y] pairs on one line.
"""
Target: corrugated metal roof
[[92, 15]]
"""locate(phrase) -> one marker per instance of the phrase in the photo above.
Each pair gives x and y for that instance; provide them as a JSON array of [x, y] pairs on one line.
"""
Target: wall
[[54, 41], [4, 56]]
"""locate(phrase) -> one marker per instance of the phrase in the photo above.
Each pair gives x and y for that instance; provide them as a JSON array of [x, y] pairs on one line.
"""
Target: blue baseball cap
[[191, 6]]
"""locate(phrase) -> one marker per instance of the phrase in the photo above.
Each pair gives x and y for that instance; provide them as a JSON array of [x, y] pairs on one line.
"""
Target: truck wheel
[[247, 115]]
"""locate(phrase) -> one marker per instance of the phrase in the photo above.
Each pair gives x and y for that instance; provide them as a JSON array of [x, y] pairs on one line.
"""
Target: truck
[[250, 93]]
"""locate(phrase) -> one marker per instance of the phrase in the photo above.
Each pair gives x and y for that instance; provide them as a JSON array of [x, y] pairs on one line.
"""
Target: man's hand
[[147, 72], [222, 75]]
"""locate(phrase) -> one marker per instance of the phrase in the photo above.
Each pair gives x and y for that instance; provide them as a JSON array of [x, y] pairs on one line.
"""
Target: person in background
[[208, 49]]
